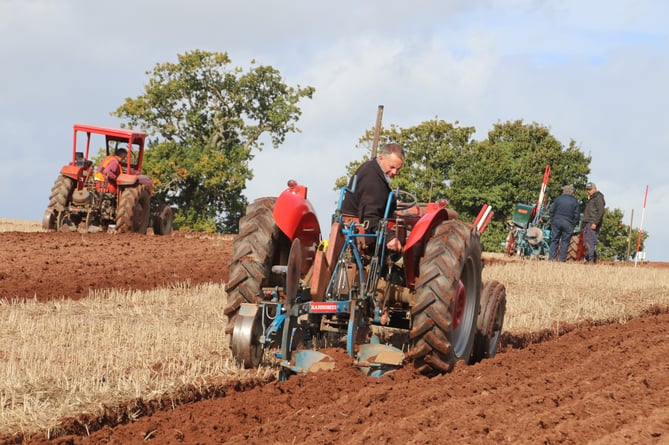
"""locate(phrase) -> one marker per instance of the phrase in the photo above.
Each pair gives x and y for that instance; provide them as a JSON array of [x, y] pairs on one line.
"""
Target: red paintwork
[[295, 215], [74, 172], [459, 304], [413, 250], [325, 307], [126, 179], [135, 141]]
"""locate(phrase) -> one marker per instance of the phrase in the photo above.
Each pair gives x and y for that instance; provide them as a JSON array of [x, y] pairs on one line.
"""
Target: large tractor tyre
[[61, 194], [574, 248], [448, 292], [162, 220], [259, 246], [490, 321], [134, 210], [510, 245]]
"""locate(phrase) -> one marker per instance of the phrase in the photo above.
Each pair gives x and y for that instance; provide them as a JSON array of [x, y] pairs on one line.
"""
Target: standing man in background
[[564, 212], [592, 221]]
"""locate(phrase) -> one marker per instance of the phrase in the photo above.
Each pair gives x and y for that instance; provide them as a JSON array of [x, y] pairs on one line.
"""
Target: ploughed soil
[[56, 265], [605, 384]]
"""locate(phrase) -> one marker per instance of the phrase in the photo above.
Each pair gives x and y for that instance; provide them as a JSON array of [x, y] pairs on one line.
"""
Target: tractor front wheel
[[448, 292], [133, 210], [61, 194]]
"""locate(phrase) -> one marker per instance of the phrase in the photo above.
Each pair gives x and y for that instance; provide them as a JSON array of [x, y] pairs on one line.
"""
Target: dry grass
[[542, 295], [16, 225], [62, 358], [65, 357]]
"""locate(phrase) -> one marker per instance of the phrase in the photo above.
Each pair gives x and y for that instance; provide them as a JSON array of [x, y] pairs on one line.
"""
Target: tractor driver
[[368, 202], [110, 169]]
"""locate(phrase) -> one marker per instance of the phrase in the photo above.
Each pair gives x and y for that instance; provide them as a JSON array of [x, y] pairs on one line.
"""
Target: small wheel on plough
[[246, 335], [490, 321]]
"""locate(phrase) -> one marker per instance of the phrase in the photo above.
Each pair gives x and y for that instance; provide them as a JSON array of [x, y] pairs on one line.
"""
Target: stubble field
[[118, 339]]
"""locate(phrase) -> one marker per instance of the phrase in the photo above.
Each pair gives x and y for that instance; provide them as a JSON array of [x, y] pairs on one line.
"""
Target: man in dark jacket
[[592, 221], [368, 203], [564, 213]]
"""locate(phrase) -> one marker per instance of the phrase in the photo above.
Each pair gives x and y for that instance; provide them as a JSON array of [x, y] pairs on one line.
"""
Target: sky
[[595, 72]]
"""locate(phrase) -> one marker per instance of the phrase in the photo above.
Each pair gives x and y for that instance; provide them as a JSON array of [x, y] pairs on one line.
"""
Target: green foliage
[[615, 238], [507, 168], [431, 147], [504, 169], [205, 121]]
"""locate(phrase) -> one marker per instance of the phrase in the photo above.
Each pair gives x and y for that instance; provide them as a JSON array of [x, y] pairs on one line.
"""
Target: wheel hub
[[459, 304]]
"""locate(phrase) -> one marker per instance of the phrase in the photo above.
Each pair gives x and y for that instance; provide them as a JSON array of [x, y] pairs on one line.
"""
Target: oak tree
[[206, 121]]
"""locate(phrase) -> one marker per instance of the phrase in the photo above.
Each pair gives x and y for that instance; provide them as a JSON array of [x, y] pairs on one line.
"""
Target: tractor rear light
[[297, 189]]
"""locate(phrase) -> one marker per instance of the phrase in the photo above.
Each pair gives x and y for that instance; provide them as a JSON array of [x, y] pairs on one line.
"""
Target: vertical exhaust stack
[[377, 131]]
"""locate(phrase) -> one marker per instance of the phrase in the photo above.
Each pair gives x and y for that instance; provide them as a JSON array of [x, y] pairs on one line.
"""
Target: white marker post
[[643, 213]]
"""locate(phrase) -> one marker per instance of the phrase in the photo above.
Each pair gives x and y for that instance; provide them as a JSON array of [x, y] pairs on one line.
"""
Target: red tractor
[[82, 200], [292, 292]]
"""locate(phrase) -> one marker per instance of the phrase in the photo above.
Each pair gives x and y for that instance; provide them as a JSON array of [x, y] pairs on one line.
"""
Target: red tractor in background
[[294, 293], [78, 201]]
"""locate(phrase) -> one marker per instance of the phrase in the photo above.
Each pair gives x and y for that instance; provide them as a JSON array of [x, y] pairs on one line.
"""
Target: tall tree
[[615, 236], [205, 121], [507, 168], [502, 170], [431, 147]]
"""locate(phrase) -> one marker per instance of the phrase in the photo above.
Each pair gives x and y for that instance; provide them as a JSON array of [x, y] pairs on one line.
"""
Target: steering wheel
[[405, 200]]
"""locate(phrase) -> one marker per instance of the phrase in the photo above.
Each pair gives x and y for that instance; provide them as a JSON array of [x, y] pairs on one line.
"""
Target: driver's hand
[[394, 245]]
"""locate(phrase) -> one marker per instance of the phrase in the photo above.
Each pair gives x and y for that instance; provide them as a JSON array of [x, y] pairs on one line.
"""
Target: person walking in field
[[593, 215], [564, 213]]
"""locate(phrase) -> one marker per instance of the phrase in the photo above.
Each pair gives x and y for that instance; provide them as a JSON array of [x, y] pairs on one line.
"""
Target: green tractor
[[530, 230]]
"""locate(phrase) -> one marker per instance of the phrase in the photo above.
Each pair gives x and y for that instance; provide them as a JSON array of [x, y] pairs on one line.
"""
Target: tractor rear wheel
[[133, 210], [259, 246], [448, 292], [574, 244], [61, 194], [490, 321], [162, 220], [510, 245]]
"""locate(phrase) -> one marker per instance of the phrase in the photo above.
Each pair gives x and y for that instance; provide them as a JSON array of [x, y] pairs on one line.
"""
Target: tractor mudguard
[[295, 216], [125, 179], [414, 245], [72, 171]]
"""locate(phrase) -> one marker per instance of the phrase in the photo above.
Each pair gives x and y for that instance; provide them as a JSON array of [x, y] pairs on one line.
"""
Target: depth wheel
[[490, 321], [246, 334]]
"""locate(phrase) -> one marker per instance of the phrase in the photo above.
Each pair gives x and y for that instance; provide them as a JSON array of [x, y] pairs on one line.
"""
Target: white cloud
[[591, 71]]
